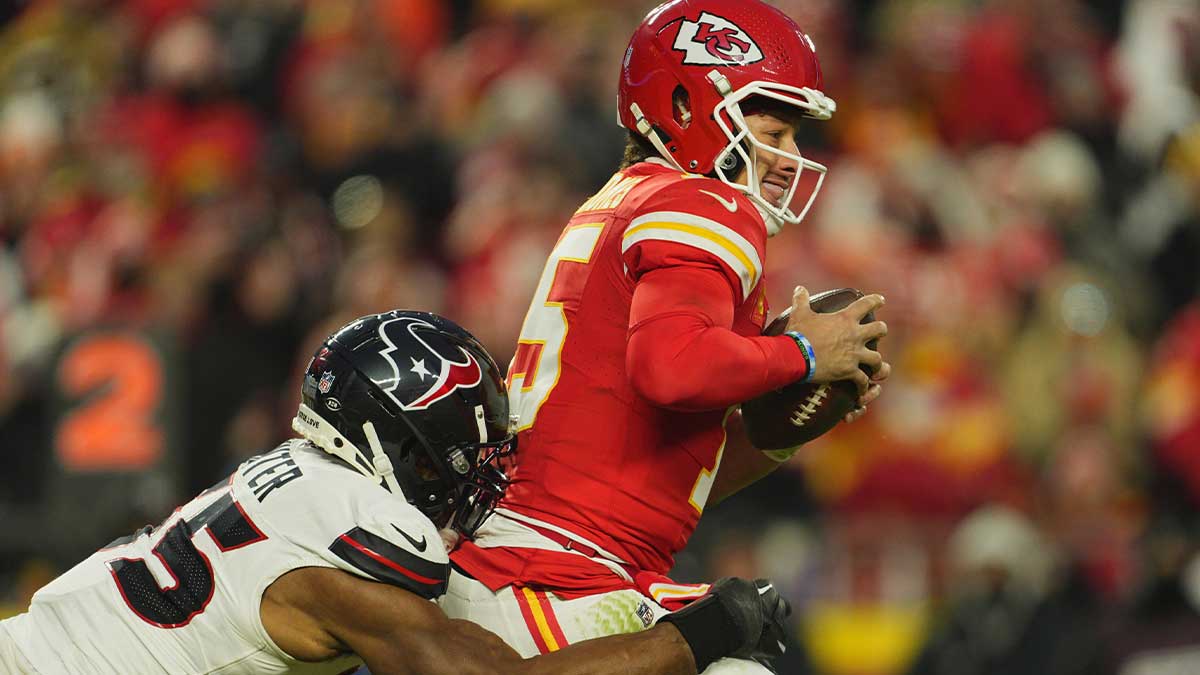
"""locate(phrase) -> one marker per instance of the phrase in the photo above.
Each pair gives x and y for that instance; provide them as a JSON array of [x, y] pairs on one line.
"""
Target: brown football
[[801, 411]]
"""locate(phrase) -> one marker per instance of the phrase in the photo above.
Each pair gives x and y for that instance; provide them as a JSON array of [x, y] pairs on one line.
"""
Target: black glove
[[774, 636], [737, 618]]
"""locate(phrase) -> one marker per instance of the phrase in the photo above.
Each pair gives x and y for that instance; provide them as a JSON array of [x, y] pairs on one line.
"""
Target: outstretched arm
[[316, 613]]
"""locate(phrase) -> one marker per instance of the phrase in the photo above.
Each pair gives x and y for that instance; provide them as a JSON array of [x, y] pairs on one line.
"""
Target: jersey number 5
[[539, 349], [176, 605]]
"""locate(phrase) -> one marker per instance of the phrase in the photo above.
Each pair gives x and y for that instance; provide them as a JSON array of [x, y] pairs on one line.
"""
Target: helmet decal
[[453, 376], [326, 382], [450, 375], [715, 41], [415, 403]]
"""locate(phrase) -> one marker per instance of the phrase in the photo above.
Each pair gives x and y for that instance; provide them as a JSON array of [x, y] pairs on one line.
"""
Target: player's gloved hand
[[772, 644], [737, 618]]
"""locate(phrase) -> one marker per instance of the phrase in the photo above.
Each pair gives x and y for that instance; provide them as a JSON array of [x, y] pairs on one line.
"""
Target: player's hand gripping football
[[737, 618], [839, 344]]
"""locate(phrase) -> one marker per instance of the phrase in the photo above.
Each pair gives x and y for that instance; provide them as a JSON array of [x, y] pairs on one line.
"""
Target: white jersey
[[184, 597]]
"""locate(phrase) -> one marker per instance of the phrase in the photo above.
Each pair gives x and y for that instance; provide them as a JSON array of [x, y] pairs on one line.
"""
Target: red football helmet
[[720, 52]]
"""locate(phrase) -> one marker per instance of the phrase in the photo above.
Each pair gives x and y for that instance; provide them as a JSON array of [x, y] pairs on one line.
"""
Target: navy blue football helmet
[[413, 400]]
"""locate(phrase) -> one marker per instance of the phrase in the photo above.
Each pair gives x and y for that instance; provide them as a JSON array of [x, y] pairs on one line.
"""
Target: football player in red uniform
[[645, 333]]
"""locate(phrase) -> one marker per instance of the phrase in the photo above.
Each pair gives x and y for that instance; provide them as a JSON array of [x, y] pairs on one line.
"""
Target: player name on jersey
[[270, 472], [612, 193]]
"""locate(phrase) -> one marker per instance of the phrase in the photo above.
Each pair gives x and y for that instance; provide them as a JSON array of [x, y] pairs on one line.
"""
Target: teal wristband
[[810, 359]]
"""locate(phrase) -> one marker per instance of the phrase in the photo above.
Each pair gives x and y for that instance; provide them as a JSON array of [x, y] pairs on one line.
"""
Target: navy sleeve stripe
[[402, 556], [391, 564]]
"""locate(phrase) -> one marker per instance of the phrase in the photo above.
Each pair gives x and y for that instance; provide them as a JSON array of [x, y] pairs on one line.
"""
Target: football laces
[[808, 408]]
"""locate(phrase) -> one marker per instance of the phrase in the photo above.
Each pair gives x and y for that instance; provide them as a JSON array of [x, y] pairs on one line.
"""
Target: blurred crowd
[[193, 192]]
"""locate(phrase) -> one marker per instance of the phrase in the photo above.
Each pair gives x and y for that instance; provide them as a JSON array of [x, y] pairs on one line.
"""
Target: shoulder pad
[[395, 544], [698, 219]]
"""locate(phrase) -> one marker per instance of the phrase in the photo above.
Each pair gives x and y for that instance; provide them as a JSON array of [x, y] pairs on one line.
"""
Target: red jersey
[[597, 461]]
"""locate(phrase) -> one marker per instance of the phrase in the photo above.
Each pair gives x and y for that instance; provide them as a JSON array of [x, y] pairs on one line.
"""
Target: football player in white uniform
[[327, 552]]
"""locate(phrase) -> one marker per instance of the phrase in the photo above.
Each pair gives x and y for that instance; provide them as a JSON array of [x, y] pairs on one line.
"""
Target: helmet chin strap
[[380, 460]]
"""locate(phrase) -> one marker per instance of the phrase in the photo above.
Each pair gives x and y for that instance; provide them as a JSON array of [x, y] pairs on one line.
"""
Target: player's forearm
[[440, 647], [457, 647], [678, 361], [660, 650], [742, 464]]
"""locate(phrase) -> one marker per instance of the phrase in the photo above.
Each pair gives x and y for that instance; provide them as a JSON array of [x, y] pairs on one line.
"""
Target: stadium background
[[192, 192]]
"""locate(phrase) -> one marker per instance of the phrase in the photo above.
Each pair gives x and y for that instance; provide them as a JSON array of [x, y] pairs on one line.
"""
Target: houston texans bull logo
[[445, 372], [715, 41]]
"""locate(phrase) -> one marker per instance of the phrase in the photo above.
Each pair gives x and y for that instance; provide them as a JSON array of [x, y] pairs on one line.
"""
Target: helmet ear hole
[[681, 107], [412, 454]]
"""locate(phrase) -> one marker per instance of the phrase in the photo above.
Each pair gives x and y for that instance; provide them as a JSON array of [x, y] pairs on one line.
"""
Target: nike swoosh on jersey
[[368, 555], [419, 545], [729, 204]]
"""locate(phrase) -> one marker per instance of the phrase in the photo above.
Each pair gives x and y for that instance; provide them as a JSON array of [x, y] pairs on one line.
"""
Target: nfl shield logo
[[645, 614], [326, 382]]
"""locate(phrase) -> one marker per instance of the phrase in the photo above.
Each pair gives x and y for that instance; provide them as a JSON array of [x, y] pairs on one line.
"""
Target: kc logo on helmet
[[714, 41], [456, 370]]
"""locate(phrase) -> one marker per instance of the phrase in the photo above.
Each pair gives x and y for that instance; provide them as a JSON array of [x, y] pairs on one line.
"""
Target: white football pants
[[537, 622]]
